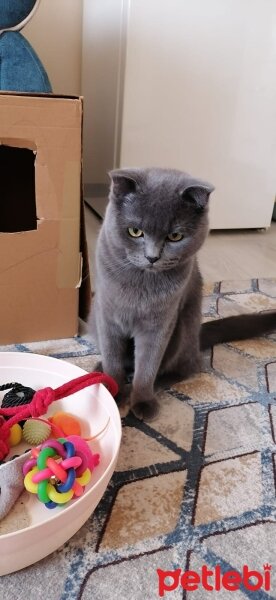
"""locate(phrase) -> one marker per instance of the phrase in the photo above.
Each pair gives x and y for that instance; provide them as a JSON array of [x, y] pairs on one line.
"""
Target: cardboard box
[[43, 253]]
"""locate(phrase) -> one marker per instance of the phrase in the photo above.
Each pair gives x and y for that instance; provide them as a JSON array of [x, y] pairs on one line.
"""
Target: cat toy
[[59, 470], [42, 399], [36, 431]]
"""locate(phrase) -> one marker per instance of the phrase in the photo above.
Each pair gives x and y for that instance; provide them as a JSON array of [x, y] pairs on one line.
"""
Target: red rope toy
[[42, 400]]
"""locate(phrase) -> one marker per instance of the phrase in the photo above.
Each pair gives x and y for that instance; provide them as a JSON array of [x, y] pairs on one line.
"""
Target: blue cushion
[[13, 12], [21, 69]]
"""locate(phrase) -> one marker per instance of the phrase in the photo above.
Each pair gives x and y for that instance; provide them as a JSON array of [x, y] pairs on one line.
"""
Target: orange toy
[[68, 424]]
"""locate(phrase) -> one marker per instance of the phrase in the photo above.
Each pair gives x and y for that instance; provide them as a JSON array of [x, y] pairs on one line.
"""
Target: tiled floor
[[238, 254]]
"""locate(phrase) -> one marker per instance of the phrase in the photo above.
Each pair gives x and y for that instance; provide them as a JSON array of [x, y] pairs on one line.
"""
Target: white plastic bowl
[[94, 406]]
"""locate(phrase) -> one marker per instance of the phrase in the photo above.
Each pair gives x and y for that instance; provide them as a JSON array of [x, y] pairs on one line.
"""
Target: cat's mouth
[[158, 267], [155, 267], [147, 266]]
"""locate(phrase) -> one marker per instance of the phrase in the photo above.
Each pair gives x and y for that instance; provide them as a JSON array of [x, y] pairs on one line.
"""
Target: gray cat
[[147, 305]]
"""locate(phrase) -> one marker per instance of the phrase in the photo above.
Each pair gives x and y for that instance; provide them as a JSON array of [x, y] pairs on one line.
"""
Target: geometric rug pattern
[[194, 487]]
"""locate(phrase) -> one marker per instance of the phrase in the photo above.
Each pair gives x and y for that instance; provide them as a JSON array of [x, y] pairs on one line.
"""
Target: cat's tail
[[239, 327]]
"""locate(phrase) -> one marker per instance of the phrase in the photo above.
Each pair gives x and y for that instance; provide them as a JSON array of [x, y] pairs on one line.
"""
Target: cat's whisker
[[118, 269]]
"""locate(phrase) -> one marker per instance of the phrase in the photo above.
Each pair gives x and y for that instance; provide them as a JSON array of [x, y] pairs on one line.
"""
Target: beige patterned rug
[[194, 490]]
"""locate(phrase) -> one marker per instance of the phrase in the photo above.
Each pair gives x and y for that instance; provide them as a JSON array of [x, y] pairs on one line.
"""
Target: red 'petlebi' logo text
[[214, 579]]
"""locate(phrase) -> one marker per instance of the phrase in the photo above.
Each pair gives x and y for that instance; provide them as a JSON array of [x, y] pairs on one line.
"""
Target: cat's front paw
[[146, 410]]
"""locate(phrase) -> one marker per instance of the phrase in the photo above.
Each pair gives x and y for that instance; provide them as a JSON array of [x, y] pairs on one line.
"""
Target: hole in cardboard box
[[17, 189]]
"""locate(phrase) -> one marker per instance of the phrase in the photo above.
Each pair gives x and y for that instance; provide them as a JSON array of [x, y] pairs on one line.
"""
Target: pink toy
[[81, 448]]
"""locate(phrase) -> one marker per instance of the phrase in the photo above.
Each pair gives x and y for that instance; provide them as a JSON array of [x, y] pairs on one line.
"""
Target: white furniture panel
[[200, 95]]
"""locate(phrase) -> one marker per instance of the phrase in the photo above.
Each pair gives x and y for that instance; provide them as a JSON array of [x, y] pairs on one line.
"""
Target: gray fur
[[157, 304]]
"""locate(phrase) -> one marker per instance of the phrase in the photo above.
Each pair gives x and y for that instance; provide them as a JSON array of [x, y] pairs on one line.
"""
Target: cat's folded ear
[[198, 195], [124, 182]]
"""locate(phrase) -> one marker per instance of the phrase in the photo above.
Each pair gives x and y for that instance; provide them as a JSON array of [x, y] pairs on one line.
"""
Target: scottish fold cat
[[147, 303]]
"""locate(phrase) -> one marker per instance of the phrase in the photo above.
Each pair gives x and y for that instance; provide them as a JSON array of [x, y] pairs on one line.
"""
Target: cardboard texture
[[43, 251]]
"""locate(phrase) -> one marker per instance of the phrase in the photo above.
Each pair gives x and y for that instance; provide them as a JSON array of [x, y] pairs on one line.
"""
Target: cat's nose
[[152, 259]]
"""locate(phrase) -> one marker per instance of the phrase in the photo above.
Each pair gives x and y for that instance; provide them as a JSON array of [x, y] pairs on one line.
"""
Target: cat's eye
[[175, 237], [135, 232]]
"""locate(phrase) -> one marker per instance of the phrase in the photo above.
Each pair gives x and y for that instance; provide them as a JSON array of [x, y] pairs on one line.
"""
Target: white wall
[[55, 32], [103, 25]]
